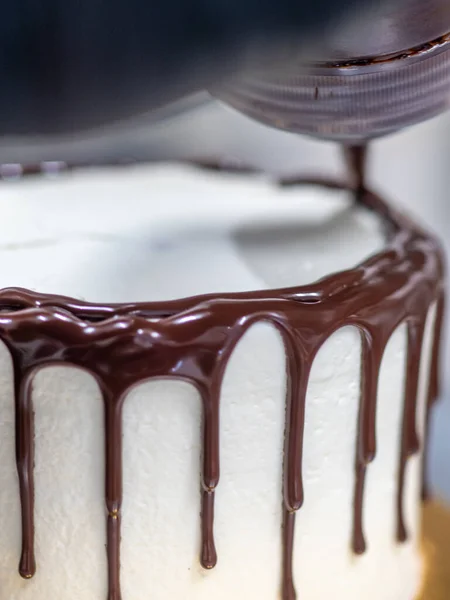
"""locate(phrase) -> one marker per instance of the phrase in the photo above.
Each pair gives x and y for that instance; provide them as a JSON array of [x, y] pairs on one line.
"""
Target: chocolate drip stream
[[193, 338]]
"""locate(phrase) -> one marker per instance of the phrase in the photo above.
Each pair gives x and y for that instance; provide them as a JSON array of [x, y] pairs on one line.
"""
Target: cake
[[223, 381]]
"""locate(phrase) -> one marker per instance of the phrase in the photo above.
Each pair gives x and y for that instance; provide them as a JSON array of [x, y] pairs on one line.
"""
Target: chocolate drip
[[366, 442], [433, 388], [297, 384], [208, 558], [288, 589], [113, 490], [410, 443], [25, 464], [211, 471], [356, 158], [192, 339]]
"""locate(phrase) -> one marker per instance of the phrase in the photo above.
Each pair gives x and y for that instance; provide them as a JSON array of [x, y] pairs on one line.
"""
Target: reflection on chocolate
[[193, 338]]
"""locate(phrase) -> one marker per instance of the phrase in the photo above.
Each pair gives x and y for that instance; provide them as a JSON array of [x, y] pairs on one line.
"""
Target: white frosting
[[166, 232]]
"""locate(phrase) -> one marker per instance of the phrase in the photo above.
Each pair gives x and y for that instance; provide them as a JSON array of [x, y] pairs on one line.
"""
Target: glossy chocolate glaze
[[193, 338]]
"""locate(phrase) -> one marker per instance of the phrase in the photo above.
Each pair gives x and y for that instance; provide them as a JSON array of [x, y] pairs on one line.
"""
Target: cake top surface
[[239, 243], [168, 231]]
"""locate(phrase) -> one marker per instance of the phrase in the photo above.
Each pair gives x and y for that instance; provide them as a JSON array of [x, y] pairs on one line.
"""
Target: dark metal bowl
[[373, 77]]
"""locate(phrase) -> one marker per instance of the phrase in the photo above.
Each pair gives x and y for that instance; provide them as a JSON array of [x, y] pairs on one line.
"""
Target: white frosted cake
[[317, 496]]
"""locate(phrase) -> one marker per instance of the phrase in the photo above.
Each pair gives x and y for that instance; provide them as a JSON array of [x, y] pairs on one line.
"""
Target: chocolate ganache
[[192, 339]]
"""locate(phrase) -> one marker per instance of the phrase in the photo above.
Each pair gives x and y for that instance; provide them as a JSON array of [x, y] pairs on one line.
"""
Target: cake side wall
[[161, 522]]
